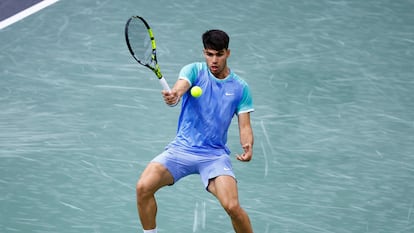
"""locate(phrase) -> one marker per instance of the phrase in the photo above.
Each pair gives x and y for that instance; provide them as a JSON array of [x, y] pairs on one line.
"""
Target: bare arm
[[173, 97], [246, 137]]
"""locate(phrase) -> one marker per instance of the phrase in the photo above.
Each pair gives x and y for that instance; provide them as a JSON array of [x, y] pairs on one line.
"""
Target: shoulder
[[245, 104], [239, 80], [194, 66], [190, 72]]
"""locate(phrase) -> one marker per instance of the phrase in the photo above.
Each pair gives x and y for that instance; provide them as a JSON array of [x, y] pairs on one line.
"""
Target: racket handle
[[164, 84]]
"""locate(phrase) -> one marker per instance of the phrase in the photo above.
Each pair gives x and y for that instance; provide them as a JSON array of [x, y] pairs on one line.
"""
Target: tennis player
[[200, 144]]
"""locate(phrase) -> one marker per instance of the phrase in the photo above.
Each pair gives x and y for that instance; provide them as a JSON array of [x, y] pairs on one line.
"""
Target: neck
[[224, 74]]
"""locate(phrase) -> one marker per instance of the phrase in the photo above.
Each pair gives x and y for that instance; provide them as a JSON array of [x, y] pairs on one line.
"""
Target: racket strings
[[140, 42]]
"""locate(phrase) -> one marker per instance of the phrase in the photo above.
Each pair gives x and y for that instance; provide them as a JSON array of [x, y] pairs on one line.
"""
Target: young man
[[200, 144]]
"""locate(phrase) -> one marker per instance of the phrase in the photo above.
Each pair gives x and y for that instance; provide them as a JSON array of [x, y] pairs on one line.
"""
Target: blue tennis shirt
[[204, 121]]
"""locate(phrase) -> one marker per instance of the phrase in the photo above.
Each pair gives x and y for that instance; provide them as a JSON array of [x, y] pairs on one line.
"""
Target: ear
[[228, 52]]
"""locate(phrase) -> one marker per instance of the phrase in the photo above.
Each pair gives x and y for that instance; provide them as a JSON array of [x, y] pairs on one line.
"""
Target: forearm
[[181, 87], [173, 97], [246, 136]]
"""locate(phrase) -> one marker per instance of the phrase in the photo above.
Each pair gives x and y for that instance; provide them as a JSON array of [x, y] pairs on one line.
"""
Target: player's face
[[217, 62]]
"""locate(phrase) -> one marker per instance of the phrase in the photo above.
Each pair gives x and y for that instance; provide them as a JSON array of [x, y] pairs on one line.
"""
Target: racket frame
[[155, 69]]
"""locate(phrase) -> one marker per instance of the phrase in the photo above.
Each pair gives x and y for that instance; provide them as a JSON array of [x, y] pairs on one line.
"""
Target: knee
[[143, 189], [233, 209]]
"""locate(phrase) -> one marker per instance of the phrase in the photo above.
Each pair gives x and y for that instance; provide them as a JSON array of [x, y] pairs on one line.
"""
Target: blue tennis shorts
[[181, 164]]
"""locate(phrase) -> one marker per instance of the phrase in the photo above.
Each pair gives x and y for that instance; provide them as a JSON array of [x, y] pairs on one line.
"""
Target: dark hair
[[215, 39]]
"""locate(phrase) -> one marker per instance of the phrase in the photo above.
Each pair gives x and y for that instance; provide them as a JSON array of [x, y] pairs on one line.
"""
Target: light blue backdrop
[[334, 123]]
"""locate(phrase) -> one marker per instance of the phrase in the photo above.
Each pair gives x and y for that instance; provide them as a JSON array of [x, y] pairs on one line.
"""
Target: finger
[[246, 147], [242, 157], [238, 157]]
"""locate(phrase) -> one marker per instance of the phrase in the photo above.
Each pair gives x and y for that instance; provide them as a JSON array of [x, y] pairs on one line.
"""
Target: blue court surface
[[332, 83]]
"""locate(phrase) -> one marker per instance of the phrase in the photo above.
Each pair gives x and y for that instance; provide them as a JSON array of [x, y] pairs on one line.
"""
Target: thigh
[[224, 188], [178, 163], [155, 176]]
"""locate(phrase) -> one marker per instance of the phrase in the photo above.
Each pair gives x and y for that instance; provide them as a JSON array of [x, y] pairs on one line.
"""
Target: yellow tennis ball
[[196, 91]]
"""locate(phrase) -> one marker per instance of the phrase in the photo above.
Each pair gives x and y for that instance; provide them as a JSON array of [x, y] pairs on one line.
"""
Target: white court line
[[23, 14]]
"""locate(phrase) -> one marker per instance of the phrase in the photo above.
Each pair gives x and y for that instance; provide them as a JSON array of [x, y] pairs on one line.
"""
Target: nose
[[215, 59]]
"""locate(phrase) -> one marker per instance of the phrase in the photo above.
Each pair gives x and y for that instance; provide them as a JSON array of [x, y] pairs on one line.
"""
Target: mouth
[[213, 69]]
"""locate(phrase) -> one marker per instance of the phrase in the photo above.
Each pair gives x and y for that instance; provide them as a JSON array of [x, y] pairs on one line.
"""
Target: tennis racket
[[141, 43]]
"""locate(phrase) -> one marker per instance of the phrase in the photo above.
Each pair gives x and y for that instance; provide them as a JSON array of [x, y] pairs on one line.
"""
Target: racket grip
[[164, 84]]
